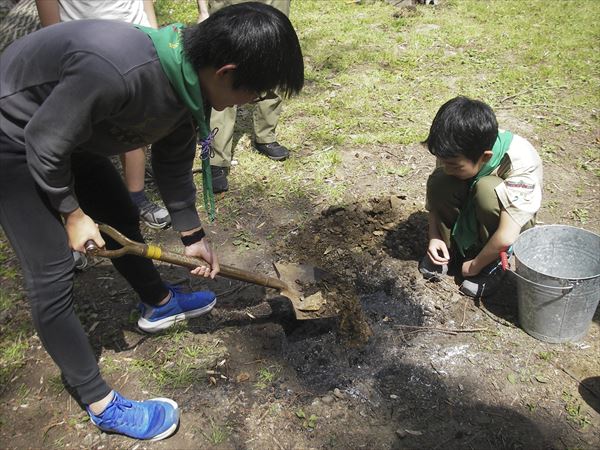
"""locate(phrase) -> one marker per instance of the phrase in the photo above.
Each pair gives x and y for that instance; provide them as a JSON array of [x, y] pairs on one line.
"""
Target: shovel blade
[[296, 276]]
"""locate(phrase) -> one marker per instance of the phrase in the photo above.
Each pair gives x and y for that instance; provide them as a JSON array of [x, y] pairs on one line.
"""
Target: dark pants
[[36, 232]]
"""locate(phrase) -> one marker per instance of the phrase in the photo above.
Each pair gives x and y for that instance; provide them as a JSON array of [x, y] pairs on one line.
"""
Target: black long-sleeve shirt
[[96, 86]]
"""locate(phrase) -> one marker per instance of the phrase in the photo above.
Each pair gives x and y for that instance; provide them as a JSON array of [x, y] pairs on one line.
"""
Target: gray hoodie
[[96, 86]]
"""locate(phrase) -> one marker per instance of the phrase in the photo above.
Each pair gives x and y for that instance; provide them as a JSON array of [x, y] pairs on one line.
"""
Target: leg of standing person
[[266, 113], [265, 117], [134, 171], [224, 122]]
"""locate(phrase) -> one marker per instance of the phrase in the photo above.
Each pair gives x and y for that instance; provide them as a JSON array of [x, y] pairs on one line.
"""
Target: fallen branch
[[510, 97], [418, 329], [538, 105], [464, 315]]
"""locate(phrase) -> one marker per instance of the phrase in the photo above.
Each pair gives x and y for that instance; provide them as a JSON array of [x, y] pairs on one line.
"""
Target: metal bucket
[[558, 281]]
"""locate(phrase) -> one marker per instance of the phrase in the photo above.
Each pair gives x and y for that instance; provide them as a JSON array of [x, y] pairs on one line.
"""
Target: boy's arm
[[48, 11], [506, 234], [436, 248], [172, 162], [149, 10]]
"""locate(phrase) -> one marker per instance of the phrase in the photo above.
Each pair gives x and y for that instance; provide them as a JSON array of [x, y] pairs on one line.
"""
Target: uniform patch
[[519, 185]]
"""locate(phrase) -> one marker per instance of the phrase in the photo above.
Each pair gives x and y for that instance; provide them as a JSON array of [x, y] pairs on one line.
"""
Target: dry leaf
[[244, 376]]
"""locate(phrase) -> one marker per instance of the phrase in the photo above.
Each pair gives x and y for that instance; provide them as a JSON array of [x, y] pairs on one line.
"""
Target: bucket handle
[[505, 254], [564, 289]]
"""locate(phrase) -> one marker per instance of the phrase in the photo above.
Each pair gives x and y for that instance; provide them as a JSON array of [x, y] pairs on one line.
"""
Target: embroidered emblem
[[519, 185]]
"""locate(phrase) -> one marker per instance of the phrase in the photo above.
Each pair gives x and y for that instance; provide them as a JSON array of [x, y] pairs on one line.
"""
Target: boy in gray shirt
[[73, 94]]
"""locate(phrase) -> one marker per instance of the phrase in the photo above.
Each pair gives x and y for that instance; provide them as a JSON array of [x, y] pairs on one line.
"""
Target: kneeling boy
[[485, 191]]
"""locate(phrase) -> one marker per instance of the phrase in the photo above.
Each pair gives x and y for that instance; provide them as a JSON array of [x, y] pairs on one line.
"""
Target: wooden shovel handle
[[155, 252]]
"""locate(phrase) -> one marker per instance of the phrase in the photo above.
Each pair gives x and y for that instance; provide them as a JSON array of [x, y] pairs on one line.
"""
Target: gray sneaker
[[154, 216], [80, 260], [484, 284], [431, 271]]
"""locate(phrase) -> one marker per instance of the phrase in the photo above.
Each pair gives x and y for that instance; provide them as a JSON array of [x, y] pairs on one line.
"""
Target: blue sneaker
[[181, 306], [152, 420]]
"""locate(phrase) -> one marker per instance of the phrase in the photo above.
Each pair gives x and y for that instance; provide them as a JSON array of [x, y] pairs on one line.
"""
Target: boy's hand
[[203, 250], [438, 252], [80, 229], [469, 269]]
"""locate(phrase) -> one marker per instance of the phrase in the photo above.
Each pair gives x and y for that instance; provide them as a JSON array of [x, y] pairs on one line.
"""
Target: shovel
[[305, 308]]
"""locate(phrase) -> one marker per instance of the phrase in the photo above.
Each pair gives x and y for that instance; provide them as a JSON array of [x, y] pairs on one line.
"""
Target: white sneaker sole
[[157, 226], [169, 431], [158, 325]]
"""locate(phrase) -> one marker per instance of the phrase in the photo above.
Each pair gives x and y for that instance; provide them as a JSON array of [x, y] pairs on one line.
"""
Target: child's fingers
[[445, 253], [435, 257], [202, 271]]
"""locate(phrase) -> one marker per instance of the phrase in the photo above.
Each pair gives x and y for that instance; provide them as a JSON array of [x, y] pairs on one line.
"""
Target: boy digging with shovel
[[75, 93]]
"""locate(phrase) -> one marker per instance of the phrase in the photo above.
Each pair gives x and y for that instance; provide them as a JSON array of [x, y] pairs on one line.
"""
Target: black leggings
[[36, 232]]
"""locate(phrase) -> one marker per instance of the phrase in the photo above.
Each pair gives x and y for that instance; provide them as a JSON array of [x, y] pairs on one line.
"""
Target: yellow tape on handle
[[153, 252]]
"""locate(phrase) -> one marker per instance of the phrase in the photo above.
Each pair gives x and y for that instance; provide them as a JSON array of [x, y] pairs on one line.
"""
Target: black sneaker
[[81, 261], [431, 271], [273, 150], [485, 283], [219, 179]]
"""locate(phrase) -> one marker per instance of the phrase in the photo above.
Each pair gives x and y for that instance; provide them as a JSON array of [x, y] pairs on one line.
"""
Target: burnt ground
[[406, 364]]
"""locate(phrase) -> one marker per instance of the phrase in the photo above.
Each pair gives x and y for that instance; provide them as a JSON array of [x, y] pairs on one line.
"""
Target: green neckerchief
[[184, 79], [465, 231]]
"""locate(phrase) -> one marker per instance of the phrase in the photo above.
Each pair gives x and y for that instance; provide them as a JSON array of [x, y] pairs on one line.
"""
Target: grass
[[373, 78], [178, 361], [574, 412], [217, 435], [267, 376], [12, 356]]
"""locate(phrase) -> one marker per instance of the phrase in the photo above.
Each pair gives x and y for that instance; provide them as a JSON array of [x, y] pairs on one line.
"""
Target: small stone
[[395, 203], [88, 440], [393, 396], [338, 393], [328, 399]]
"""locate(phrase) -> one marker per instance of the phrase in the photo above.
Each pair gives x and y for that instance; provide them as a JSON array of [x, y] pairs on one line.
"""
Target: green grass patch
[[178, 361], [12, 356], [375, 78], [267, 376], [217, 433]]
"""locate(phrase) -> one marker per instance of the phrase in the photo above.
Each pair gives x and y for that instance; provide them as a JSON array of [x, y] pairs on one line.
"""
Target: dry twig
[[418, 329]]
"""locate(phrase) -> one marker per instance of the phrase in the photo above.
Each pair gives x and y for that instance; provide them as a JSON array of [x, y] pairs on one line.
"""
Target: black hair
[[258, 38], [462, 127]]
